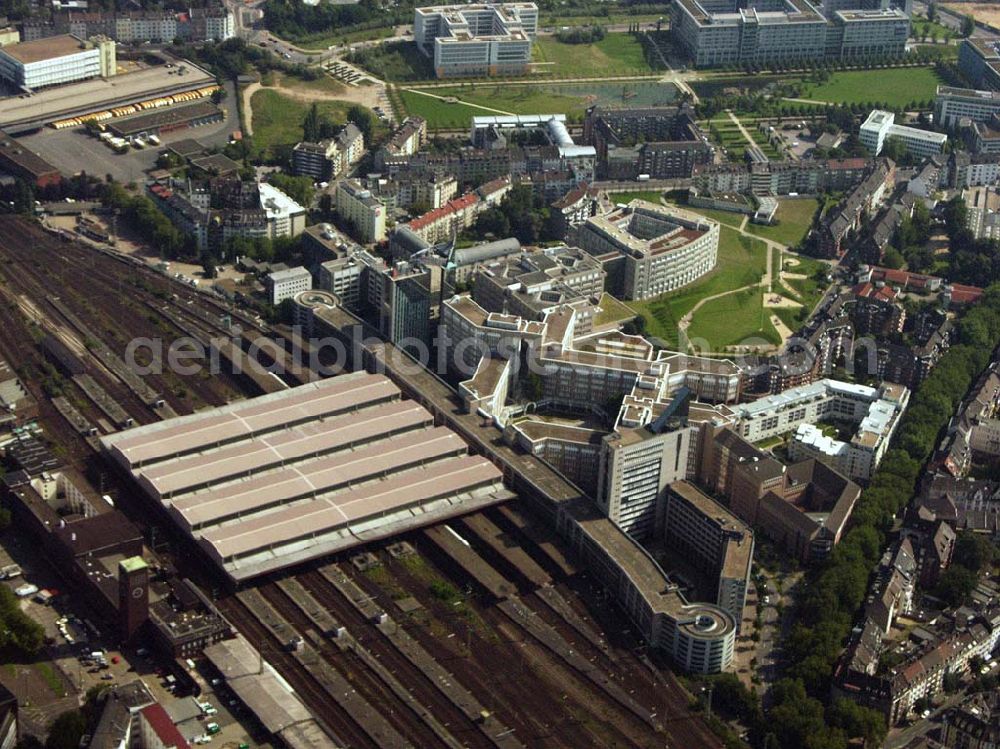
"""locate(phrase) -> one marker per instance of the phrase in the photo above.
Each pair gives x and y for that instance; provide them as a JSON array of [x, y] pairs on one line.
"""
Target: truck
[[642, 178]]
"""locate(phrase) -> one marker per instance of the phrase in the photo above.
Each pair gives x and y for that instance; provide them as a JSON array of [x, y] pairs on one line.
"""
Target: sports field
[[896, 87], [741, 262]]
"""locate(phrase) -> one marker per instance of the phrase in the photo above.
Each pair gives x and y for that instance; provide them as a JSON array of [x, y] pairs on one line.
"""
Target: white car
[[26, 590]]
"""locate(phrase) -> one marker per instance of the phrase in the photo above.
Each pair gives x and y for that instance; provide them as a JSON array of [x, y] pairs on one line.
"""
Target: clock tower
[[133, 595]]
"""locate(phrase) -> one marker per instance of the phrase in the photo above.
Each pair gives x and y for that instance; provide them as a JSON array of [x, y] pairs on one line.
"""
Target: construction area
[[475, 628]]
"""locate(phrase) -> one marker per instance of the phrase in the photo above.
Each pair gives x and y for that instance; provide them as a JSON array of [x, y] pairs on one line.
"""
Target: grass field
[[439, 114], [733, 319], [526, 99], [395, 62], [921, 28], [277, 119], [653, 196], [807, 290], [726, 218], [615, 18], [794, 220], [615, 54], [322, 85], [893, 86], [741, 262]]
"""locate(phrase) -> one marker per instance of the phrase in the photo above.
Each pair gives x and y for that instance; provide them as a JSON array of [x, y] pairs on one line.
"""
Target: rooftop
[[44, 49]]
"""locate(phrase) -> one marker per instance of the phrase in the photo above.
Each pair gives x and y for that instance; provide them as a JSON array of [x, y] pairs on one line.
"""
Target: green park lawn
[[515, 99], [653, 196], [733, 319], [277, 119], [439, 114], [615, 54], [807, 290], [893, 86], [794, 220], [741, 262]]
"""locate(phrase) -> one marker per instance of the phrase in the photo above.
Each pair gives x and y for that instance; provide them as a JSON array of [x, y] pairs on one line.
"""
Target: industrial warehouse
[[271, 482]]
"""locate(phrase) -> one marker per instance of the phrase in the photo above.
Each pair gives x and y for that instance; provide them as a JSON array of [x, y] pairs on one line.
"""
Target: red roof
[[163, 727], [870, 291], [452, 206]]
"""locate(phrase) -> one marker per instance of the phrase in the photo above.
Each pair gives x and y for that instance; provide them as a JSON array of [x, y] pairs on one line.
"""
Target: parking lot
[[74, 151]]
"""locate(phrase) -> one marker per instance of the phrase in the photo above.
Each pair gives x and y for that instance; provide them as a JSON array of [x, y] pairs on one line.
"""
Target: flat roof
[[52, 103], [290, 476], [44, 49]]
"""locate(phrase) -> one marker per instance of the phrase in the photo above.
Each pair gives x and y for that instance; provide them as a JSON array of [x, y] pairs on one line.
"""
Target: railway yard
[[477, 633]]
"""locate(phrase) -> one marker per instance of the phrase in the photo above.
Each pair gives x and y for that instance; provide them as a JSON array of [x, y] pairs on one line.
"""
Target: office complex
[[874, 412], [356, 205], [783, 32], [712, 540], [979, 61], [59, 59], [881, 126], [475, 40], [277, 480], [953, 104], [649, 249]]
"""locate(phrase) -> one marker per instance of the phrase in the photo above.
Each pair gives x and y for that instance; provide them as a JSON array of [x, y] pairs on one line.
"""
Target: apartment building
[[881, 126], [479, 39], [783, 31], [321, 161], [649, 249], [194, 24], [356, 205]]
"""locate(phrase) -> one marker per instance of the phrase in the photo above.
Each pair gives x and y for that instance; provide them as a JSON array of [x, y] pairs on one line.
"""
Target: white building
[[481, 39], [796, 411], [285, 217], [357, 205], [663, 248], [880, 125], [285, 284], [55, 60]]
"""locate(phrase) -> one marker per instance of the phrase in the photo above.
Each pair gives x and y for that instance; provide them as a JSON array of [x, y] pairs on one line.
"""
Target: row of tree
[[802, 714], [140, 213]]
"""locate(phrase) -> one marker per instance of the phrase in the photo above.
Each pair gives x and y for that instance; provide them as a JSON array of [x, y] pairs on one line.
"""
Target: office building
[[786, 32], [952, 104], [59, 59], [476, 40], [267, 483], [365, 213], [874, 414], [648, 249], [285, 217], [285, 284], [979, 61], [712, 540], [881, 125]]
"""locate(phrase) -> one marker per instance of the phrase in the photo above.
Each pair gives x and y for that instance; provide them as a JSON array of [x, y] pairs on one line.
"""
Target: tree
[[968, 25], [311, 125], [955, 585], [973, 551], [364, 119], [858, 722], [66, 731]]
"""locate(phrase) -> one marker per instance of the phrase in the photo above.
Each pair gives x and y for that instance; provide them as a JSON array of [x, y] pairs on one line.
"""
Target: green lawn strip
[[51, 678], [613, 19], [741, 262], [612, 310], [615, 54], [439, 114], [518, 99], [794, 220], [395, 61], [732, 319], [726, 218], [894, 86], [792, 317], [277, 119], [921, 28], [653, 196]]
